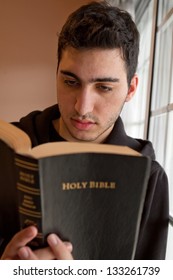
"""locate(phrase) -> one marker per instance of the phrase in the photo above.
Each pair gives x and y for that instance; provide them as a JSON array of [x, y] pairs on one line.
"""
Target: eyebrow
[[93, 80]]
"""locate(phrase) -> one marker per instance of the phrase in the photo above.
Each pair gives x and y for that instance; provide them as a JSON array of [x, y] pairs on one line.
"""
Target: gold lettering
[[102, 185], [28, 202], [91, 185], [112, 185], [74, 186], [84, 185], [28, 222], [26, 177], [65, 186]]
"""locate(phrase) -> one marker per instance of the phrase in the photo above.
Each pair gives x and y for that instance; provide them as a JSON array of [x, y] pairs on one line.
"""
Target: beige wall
[[28, 44]]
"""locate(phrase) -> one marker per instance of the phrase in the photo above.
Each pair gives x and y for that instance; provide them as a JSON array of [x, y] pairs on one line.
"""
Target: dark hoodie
[[154, 225]]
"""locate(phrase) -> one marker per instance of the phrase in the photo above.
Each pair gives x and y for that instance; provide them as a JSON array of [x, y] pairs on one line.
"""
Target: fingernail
[[53, 239], [69, 246]]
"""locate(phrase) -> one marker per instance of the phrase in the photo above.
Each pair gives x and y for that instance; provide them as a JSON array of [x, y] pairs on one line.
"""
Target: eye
[[104, 88], [71, 83]]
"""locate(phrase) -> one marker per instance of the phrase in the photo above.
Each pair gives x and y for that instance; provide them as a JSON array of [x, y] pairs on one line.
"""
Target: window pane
[[162, 69], [171, 94], [134, 112], [164, 7], [169, 159], [169, 253], [157, 133]]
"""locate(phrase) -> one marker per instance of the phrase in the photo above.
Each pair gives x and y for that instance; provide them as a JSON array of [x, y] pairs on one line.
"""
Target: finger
[[25, 253], [19, 240], [44, 254], [47, 253], [59, 248], [69, 246]]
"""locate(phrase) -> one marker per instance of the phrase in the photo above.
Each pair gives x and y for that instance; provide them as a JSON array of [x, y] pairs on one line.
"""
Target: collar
[[118, 136]]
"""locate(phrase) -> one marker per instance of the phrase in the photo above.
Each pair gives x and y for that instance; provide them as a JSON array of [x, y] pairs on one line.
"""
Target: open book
[[89, 194]]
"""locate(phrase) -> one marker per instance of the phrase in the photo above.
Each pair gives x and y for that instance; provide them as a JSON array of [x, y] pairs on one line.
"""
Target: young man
[[96, 74]]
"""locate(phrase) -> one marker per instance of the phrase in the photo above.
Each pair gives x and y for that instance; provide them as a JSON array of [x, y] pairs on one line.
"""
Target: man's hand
[[18, 250]]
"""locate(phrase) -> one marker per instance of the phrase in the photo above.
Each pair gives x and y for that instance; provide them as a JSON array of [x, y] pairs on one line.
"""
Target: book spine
[[29, 199]]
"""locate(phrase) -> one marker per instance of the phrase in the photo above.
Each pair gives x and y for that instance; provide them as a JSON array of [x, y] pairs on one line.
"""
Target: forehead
[[98, 61]]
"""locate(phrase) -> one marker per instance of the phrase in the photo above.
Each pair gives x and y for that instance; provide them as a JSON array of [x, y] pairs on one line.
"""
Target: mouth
[[82, 124]]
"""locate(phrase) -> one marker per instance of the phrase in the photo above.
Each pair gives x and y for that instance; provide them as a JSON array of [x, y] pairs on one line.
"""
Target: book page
[[59, 148], [14, 137], [20, 142]]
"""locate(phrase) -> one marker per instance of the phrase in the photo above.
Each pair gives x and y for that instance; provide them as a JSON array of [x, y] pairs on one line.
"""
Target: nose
[[84, 102]]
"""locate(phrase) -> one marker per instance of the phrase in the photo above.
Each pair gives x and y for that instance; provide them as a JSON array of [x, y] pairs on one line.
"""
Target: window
[[135, 114], [161, 118], [150, 115]]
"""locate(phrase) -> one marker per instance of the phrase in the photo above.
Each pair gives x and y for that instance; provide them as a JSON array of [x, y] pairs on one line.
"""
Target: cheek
[[66, 103], [119, 98], [110, 108], [63, 97], [114, 102]]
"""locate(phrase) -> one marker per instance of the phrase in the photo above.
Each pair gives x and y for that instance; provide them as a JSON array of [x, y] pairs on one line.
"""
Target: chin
[[85, 138]]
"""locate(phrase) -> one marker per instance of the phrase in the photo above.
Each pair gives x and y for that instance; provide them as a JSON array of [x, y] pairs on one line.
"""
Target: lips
[[82, 124]]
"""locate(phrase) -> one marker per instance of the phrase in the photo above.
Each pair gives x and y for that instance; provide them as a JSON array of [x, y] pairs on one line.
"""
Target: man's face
[[91, 89]]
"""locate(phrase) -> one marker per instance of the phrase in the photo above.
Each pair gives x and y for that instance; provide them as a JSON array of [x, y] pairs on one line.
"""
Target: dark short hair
[[100, 25]]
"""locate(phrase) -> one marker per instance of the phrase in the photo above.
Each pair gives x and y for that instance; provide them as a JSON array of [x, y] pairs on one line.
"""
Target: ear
[[132, 88]]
